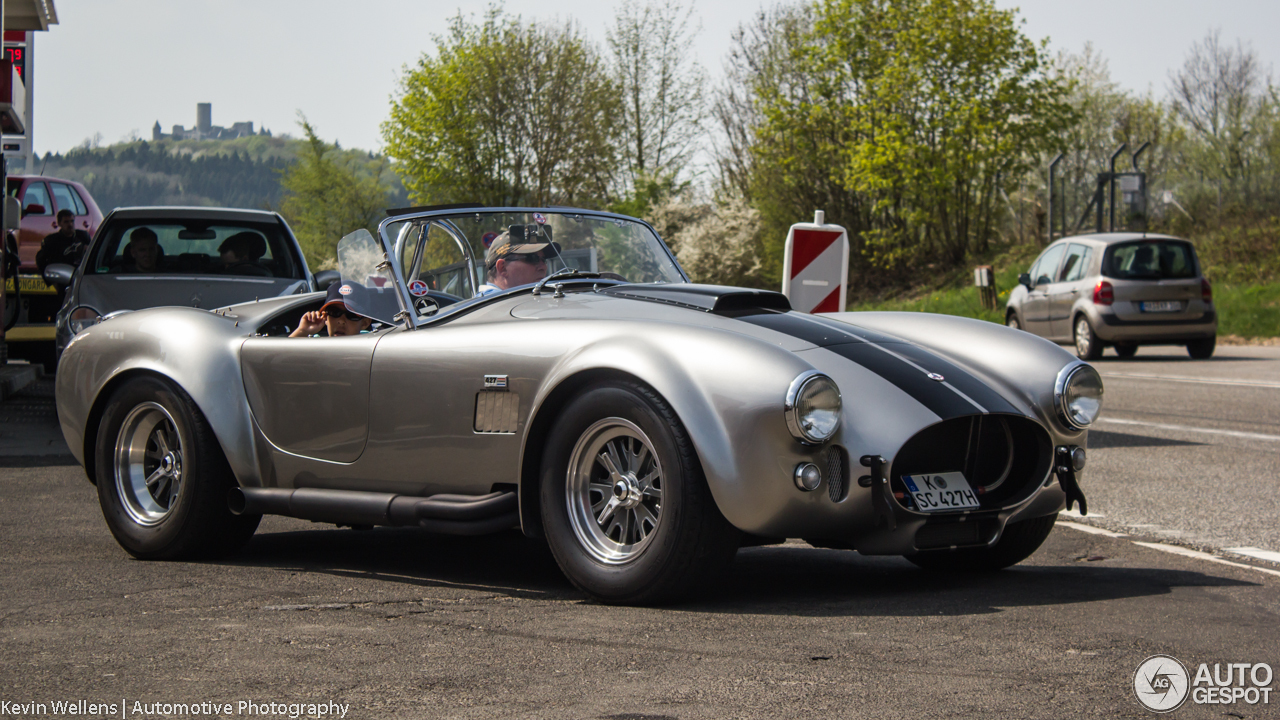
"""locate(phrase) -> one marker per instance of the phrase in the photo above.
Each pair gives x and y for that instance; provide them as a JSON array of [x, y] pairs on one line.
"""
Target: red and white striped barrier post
[[815, 267]]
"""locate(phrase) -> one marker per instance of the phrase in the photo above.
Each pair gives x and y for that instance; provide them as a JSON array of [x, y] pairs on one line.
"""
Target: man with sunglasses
[[334, 315], [512, 261]]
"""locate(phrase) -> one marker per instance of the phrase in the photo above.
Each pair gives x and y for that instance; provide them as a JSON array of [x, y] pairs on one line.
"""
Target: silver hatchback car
[[194, 256], [1119, 289]]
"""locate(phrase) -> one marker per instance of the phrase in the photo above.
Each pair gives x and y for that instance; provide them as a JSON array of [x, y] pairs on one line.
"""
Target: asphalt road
[[1189, 450], [399, 624]]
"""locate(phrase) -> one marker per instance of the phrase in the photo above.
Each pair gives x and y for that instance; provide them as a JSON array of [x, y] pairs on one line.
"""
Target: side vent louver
[[497, 412]]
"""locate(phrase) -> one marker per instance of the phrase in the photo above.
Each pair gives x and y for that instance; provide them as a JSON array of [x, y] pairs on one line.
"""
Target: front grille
[[1003, 457], [837, 473]]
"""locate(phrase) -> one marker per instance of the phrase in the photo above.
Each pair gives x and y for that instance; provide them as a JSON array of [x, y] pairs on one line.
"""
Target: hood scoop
[[716, 299]]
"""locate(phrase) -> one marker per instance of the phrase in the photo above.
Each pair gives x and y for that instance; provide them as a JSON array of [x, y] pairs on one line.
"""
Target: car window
[[82, 208], [64, 198], [197, 248], [1150, 260], [1046, 267], [1074, 267], [37, 195]]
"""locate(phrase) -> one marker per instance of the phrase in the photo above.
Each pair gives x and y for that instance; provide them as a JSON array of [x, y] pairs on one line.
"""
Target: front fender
[[728, 391]]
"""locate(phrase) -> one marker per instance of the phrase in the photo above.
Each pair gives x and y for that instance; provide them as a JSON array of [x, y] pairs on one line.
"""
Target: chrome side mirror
[[12, 214], [58, 274]]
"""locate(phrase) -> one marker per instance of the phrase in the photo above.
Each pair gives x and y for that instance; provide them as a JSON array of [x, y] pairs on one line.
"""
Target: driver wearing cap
[[512, 261], [335, 315]]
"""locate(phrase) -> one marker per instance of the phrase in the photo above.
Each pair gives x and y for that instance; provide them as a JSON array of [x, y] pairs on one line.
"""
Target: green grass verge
[[1248, 310]]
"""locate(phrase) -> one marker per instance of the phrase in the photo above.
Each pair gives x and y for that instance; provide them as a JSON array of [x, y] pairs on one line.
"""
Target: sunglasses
[[531, 259], [339, 313]]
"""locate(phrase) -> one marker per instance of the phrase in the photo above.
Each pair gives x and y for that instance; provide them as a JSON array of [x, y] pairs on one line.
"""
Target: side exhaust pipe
[[445, 514]]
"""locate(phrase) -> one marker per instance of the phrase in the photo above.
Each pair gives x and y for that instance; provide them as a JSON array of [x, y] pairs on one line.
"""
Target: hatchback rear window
[[194, 247], [1150, 260]]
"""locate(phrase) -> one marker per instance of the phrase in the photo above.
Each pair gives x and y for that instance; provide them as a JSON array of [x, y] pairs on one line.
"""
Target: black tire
[[1018, 542], [1088, 346], [1202, 349], [637, 556], [1011, 320], [1126, 351], [138, 469]]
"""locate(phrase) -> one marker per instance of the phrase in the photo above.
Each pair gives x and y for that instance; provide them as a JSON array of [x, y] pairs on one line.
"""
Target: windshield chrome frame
[[431, 215], [423, 226]]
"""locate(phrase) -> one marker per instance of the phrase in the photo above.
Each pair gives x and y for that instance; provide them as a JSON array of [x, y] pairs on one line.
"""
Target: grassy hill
[[232, 173]]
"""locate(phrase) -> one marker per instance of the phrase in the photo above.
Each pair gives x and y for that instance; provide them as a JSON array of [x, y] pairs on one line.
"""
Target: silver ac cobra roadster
[[645, 426]]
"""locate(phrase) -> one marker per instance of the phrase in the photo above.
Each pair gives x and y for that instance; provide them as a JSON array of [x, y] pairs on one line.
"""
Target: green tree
[[328, 194], [781, 136], [506, 113], [948, 98], [662, 87]]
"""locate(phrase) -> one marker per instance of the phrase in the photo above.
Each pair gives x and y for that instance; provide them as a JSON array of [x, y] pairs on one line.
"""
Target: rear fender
[[196, 350]]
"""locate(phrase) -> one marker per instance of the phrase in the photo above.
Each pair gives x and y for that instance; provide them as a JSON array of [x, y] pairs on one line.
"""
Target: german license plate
[[941, 492], [1162, 306]]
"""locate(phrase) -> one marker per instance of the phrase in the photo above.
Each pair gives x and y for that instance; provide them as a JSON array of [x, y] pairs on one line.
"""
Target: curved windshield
[[472, 253]]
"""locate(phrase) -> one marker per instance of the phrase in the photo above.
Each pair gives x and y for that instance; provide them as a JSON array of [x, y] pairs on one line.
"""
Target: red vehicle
[[30, 312], [42, 198]]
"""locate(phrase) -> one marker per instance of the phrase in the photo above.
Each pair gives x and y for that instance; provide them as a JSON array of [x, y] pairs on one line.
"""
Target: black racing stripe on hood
[[939, 399], [955, 376], [804, 327], [892, 359]]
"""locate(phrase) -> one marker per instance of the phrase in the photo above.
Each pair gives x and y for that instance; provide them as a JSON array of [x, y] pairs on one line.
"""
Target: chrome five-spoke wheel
[[625, 506], [614, 490], [148, 463]]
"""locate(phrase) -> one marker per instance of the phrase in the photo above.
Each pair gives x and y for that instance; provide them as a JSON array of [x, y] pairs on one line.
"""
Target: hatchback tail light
[[1103, 293], [1206, 290]]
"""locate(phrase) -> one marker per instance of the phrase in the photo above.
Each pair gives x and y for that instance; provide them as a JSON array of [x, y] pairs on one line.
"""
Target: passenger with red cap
[[335, 315]]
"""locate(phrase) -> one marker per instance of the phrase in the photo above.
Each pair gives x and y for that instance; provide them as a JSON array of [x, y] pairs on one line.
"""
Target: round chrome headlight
[[813, 407], [82, 318], [1077, 395]]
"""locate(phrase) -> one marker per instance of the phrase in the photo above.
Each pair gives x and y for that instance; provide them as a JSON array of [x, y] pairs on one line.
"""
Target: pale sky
[[118, 66]]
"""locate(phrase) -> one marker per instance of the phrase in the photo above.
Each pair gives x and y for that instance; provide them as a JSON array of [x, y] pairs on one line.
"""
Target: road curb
[[13, 378]]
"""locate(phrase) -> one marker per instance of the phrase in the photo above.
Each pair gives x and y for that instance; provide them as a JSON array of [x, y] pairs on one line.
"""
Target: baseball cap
[[512, 242], [336, 296]]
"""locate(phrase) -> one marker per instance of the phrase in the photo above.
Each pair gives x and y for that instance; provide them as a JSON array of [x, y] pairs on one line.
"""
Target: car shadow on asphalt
[[792, 579], [1101, 439], [506, 563], [1116, 361], [809, 582]]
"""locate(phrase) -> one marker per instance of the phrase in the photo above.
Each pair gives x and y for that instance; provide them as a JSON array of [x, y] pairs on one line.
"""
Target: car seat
[[1143, 260]]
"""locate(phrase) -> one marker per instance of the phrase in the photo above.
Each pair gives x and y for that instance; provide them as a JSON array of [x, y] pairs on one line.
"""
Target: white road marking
[[1202, 381], [1259, 553], [1076, 514], [1091, 529], [1186, 428], [1185, 552]]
